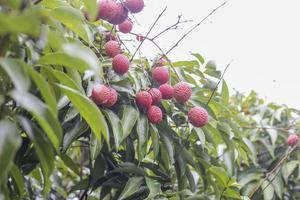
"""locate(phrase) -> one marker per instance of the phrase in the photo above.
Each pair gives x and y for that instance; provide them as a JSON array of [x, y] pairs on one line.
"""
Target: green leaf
[[42, 113], [225, 92], [220, 174], [44, 88], [142, 129], [116, 126], [42, 148], [28, 23], [9, 144], [131, 187], [232, 193], [89, 111], [18, 179], [16, 72], [199, 57], [54, 3], [73, 19], [92, 8], [288, 169], [268, 190], [201, 136], [74, 56], [130, 116], [154, 188]]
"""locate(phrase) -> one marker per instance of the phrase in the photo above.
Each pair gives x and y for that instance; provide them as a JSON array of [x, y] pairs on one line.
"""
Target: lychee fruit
[[107, 9], [156, 95], [154, 115], [100, 94], [120, 15], [112, 99], [112, 48], [182, 92], [140, 38], [120, 64], [143, 100], [167, 91], [134, 6], [160, 75], [126, 26], [198, 116], [293, 139]]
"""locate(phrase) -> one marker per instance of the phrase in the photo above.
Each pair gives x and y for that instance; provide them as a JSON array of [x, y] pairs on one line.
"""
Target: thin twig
[[127, 49], [281, 162], [155, 22], [194, 27], [215, 89], [173, 26]]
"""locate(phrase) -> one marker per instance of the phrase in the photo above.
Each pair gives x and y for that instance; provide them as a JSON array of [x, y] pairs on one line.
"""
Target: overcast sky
[[261, 36]]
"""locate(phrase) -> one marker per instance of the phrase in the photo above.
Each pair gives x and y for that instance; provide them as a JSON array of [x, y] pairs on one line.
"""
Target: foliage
[[56, 143]]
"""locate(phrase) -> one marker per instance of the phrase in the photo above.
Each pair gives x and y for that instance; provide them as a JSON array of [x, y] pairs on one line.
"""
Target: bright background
[[261, 36]]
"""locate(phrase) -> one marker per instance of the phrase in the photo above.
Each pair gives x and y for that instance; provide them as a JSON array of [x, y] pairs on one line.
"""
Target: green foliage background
[[55, 143]]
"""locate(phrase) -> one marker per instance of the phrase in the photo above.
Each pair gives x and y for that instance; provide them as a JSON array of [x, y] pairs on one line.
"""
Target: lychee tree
[[82, 118]]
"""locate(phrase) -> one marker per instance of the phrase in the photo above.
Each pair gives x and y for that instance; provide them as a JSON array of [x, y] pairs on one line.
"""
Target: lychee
[[126, 26], [112, 99], [112, 48], [167, 91], [154, 115], [198, 116], [156, 95], [160, 74], [120, 64], [120, 15], [100, 94], [140, 38], [182, 92], [134, 6], [143, 100], [293, 139], [107, 9]]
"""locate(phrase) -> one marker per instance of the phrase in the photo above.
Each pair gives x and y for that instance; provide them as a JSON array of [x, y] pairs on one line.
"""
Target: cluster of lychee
[[149, 100]]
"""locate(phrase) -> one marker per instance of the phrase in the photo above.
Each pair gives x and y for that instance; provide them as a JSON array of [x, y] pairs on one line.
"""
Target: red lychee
[[198, 116], [154, 115], [134, 6], [167, 91], [156, 95], [120, 64], [100, 94], [126, 26], [120, 15], [143, 100], [182, 92], [112, 99], [112, 48], [160, 74], [140, 38], [293, 139], [107, 9]]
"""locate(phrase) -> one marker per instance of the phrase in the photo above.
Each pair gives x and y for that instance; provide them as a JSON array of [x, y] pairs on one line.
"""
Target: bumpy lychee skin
[[107, 9], [156, 95], [100, 94], [167, 91], [120, 15], [293, 139], [134, 6], [182, 92], [198, 116], [154, 115], [120, 64], [112, 99], [112, 48], [126, 26], [160, 75], [143, 100]]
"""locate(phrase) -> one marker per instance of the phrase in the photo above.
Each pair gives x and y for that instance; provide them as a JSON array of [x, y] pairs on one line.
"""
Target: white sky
[[261, 36]]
